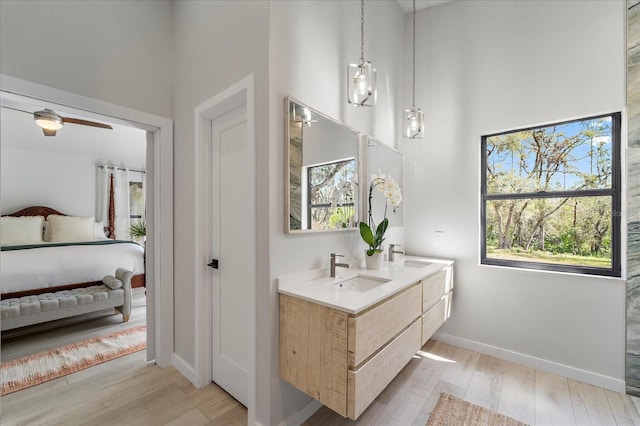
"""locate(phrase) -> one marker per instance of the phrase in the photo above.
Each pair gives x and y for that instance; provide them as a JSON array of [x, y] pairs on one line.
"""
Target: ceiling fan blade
[[85, 122], [16, 109], [48, 132]]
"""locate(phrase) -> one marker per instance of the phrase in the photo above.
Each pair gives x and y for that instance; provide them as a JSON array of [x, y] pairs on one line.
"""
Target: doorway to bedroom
[[95, 177], [44, 170]]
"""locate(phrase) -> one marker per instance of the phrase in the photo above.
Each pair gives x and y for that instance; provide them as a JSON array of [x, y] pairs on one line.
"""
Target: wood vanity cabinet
[[345, 360], [437, 293]]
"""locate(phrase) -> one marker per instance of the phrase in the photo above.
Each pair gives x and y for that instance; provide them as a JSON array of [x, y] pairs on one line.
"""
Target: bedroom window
[[136, 196], [550, 197]]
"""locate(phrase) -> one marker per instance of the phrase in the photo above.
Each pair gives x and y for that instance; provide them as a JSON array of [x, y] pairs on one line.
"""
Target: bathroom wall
[[114, 51], [217, 44], [490, 66], [311, 44], [633, 198]]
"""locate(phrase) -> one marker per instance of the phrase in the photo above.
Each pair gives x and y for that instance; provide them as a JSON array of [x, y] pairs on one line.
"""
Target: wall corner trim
[[574, 373], [299, 417], [185, 369]]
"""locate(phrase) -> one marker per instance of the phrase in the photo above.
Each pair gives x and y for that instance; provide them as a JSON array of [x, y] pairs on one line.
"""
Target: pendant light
[[361, 77], [414, 117]]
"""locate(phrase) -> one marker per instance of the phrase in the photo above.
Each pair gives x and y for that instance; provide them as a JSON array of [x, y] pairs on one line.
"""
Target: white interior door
[[233, 245]]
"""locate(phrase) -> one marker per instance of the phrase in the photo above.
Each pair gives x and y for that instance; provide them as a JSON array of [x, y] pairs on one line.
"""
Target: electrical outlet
[[439, 236]]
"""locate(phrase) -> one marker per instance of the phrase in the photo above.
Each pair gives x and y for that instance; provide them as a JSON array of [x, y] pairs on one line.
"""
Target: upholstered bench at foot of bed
[[28, 310]]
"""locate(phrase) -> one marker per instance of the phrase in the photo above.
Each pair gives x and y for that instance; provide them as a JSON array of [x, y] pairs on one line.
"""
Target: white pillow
[[21, 230], [47, 231], [71, 228], [99, 231]]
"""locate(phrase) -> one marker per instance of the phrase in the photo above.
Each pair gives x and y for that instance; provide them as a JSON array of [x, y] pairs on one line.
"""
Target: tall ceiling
[[407, 5]]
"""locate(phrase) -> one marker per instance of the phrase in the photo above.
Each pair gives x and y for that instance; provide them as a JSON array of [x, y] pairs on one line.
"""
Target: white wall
[[115, 51], [63, 182], [311, 44], [490, 66], [217, 44]]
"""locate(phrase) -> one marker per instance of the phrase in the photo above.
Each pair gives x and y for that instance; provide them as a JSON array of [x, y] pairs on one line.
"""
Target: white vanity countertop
[[316, 285]]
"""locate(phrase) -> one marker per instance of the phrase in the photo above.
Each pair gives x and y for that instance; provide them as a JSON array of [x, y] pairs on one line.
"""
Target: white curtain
[[121, 199], [102, 194], [123, 212]]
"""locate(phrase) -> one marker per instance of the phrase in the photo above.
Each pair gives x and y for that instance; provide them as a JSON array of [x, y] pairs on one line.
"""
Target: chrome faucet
[[334, 264], [392, 252]]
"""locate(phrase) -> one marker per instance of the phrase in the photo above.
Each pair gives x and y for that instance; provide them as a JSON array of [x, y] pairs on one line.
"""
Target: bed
[[65, 257]]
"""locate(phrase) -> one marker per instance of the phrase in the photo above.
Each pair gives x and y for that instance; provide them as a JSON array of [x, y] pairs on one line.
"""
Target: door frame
[[239, 94], [159, 205]]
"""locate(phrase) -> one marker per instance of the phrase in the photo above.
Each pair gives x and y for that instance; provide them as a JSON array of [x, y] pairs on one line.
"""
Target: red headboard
[[36, 211]]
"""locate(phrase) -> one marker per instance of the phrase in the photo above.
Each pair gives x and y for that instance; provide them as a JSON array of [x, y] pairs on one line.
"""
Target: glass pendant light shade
[[361, 80], [361, 77], [413, 123], [413, 127]]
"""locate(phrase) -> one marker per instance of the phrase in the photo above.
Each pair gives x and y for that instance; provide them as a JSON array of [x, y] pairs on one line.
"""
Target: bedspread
[[50, 265]]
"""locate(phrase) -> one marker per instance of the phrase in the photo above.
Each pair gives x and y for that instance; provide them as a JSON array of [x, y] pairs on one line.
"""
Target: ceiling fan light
[[47, 119]]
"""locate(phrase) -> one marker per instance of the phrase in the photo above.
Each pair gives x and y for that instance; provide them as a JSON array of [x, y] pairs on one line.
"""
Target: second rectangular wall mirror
[[379, 158]]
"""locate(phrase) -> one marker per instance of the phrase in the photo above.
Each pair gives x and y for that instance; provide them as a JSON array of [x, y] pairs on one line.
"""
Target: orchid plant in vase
[[371, 234]]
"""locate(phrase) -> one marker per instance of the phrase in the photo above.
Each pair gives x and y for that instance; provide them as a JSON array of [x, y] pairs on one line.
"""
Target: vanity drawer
[[433, 288], [371, 330], [435, 317], [366, 383]]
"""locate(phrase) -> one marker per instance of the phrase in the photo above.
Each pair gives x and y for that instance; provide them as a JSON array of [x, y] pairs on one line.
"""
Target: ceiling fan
[[51, 122]]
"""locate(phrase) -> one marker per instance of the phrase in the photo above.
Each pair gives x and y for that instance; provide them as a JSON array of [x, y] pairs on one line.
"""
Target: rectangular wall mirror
[[321, 185], [379, 158]]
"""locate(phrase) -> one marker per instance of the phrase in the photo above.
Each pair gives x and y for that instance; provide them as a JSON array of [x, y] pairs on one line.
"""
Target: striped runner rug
[[452, 411], [35, 369]]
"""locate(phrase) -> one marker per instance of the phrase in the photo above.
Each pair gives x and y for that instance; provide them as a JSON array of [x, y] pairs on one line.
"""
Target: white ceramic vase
[[373, 262]]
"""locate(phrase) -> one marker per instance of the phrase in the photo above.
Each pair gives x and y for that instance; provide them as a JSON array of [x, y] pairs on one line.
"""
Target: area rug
[[35, 369], [452, 411]]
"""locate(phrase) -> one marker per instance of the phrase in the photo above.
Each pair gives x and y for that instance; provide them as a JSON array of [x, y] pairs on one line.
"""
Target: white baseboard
[[299, 417], [185, 369], [578, 374]]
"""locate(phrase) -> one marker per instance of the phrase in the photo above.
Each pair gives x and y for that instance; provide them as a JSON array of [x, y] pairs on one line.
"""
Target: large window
[[551, 197]]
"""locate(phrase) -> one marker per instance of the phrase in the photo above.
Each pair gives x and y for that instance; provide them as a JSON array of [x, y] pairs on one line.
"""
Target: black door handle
[[213, 263]]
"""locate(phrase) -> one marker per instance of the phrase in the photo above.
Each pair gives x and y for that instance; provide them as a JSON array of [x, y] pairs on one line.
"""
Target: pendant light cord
[[414, 55], [361, 31]]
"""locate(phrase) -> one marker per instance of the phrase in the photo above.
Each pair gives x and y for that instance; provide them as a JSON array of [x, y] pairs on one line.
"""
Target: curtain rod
[[101, 166]]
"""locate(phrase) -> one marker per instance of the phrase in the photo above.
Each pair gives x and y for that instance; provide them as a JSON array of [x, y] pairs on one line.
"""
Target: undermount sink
[[414, 263], [362, 283]]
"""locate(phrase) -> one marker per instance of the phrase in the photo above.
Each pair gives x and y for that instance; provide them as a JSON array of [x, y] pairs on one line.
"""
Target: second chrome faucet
[[334, 264], [393, 251]]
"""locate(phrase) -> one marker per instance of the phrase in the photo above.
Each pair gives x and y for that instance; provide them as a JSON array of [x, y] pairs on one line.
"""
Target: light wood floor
[[531, 396], [130, 391], [126, 390]]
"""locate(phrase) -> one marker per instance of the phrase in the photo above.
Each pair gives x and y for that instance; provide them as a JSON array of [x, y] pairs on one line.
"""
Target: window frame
[[615, 192]]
